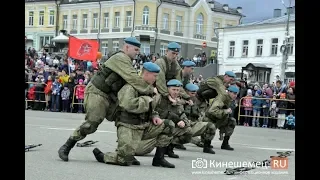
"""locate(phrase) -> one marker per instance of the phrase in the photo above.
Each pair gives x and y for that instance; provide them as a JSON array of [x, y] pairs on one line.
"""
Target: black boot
[[135, 162], [158, 159], [207, 147], [170, 153], [180, 146], [225, 144], [65, 149], [99, 155]]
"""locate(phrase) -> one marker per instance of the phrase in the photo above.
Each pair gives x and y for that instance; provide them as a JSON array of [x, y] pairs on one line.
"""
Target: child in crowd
[[65, 94], [256, 103], [48, 92], [291, 121], [55, 98], [247, 104], [265, 110], [273, 114], [80, 95], [282, 106]]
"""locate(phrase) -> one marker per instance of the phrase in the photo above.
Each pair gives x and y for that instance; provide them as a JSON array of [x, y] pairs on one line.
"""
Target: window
[[65, 22], [245, 48], [115, 46], [117, 19], [215, 25], [165, 21], [178, 23], [290, 45], [95, 21], [145, 48], [43, 40], [145, 16], [105, 20], [41, 18], [128, 19], [51, 18], [199, 25], [74, 22], [163, 48], [84, 21], [104, 48], [274, 46], [259, 47], [231, 48], [31, 18]]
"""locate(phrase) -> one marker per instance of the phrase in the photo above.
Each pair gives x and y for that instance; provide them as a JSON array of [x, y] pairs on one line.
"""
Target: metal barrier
[[270, 101], [74, 95], [33, 100]]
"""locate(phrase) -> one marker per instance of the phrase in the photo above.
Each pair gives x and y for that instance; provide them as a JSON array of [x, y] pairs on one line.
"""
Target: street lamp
[[284, 48]]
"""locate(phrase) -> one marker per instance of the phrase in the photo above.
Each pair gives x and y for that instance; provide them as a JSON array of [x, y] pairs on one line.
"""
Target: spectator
[[273, 115], [247, 104], [63, 77], [278, 89], [282, 105], [265, 109], [291, 104], [291, 121], [80, 95], [256, 103], [48, 92], [65, 95], [55, 98]]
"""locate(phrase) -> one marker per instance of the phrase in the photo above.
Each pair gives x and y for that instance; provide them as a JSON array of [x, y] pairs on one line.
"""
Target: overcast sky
[[257, 9]]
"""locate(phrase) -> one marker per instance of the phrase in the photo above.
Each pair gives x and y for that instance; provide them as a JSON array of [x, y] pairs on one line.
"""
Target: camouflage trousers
[[204, 129], [226, 127], [146, 146], [130, 137], [95, 104]]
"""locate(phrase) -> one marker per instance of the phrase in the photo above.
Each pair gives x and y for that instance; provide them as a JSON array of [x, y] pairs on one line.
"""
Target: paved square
[[53, 129]]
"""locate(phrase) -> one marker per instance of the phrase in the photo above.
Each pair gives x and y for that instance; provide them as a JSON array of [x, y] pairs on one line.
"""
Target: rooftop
[[276, 20]]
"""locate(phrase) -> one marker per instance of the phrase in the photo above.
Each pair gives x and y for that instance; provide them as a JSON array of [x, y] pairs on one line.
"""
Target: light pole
[[284, 48]]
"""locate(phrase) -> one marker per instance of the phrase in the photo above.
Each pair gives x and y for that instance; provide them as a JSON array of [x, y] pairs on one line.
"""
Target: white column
[[79, 21], [122, 18], [185, 24], [111, 19], [172, 21], [209, 27], [90, 23], [69, 21], [191, 24]]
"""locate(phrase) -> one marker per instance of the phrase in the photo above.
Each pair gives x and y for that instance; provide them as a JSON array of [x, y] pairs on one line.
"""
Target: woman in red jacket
[[47, 92]]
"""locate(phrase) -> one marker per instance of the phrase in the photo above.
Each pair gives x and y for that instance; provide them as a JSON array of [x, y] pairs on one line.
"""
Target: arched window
[[145, 16], [199, 25]]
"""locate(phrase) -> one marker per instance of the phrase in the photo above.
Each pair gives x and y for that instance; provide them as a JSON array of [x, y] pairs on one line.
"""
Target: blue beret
[[133, 41], [234, 89], [151, 67], [230, 74], [173, 46], [174, 83], [188, 64], [192, 87]]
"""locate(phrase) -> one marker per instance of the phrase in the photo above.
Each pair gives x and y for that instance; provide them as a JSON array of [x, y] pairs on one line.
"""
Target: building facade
[[260, 43], [40, 22], [153, 22]]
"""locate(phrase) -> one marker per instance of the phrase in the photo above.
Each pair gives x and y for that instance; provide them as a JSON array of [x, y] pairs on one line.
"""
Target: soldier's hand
[[181, 124], [171, 99], [157, 121], [155, 91], [228, 111], [190, 102]]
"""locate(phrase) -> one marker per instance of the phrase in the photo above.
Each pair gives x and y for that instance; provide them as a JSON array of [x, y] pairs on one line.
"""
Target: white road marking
[[113, 132]]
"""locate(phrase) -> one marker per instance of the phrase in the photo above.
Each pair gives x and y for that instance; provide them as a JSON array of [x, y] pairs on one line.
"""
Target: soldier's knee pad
[[211, 127], [88, 128]]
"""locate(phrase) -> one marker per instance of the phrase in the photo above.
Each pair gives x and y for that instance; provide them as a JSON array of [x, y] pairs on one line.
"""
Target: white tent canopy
[[61, 38]]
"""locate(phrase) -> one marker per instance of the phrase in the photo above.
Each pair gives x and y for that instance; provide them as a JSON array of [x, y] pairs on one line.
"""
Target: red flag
[[83, 49]]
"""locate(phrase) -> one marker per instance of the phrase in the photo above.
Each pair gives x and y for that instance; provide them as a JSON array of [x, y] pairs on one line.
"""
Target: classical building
[[153, 22], [40, 22], [259, 43]]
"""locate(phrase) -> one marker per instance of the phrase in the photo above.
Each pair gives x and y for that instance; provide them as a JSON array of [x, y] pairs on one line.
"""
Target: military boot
[[158, 159], [207, 147], [66, 148], [135, 162], [169, 151], [180, 146], [99, 155], [225, 144]]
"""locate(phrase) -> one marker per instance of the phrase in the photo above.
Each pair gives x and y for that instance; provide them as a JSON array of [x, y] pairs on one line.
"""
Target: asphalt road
[[53, 129]]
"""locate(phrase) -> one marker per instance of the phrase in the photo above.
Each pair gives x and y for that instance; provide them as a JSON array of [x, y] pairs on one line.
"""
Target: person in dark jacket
[[282, 105], [265, 109], [256, 104]]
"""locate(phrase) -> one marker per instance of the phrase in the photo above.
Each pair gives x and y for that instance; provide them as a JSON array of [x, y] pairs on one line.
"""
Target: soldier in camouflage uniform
[[101, 93], [219, 114], [169, 107], [195, 112], [138, 121]]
